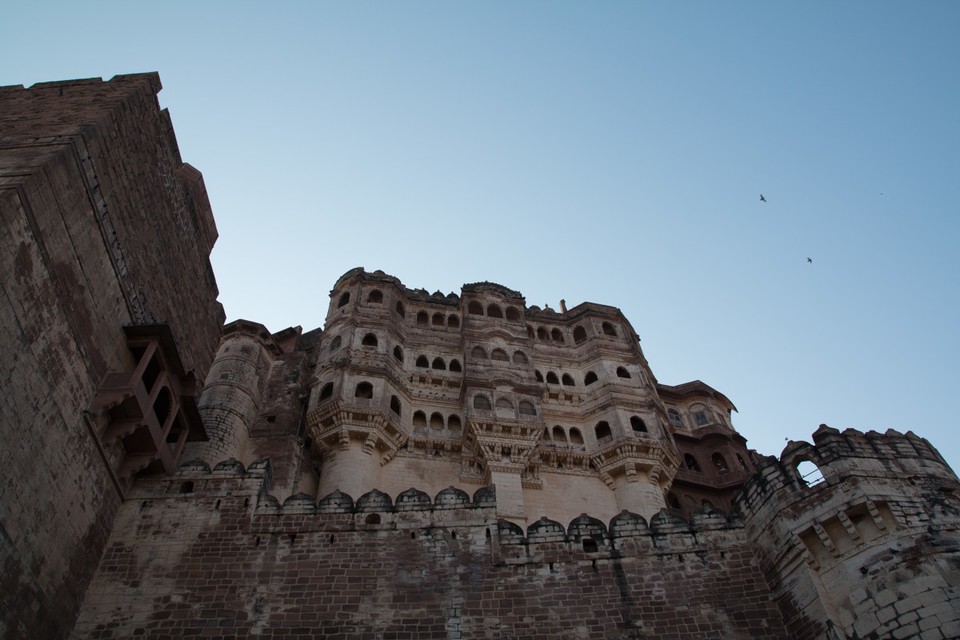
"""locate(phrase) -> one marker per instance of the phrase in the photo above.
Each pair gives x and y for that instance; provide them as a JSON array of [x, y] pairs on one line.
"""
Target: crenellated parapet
[[848, 527]]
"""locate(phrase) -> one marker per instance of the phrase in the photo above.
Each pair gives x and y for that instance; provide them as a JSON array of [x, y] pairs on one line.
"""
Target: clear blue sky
[[610, 152]]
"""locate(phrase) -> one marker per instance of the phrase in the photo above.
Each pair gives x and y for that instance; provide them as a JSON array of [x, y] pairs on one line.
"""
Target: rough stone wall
[[101, 226], [206, 554], [872, 551]]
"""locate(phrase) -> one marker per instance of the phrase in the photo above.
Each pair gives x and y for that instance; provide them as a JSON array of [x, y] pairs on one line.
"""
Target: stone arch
[[364, 390], [590, 378], [439, 364], [579, 334], [344, 300], [602, 430], [475, 308], [493, 311], [513, 314], [481, 402], [375, 296], [325, 392], [369, 340], [609, 329], [567, 380]]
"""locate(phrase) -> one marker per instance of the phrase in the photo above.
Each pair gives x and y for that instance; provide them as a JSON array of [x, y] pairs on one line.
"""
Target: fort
[[425, 465]]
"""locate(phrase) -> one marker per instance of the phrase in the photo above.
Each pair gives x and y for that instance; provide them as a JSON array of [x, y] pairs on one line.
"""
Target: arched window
[[519, 357], [453, 422], [364, 390], [557, 335], [809, 473], [375, 297], [335, 343], [579, 334], [719, 462], [700, 418], [398, 353], [673, 501], [423, 362], [691, 462], [478, 353], [527, 408], [325, 392], [590, 378], [438, 363], [395, 404], [609, 330], [622, 372], [499, 354], [513, 314], [538, 376], [455, 365], [400, 310], [423, 319], [743, 465], [436, 421], [530, 333], [542, 334], [419, 419], [453, 322], [475, 308], [602, 430], [481, 402], [639, 426], [567, 380], [575, 436], [674, 416], [552, 378], [438, 320], [503, 403], [559, 435], [369, 340], [494, 311], [344, 299]]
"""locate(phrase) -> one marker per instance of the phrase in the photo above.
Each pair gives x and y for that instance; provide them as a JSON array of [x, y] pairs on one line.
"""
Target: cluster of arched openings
[[717, 459], [437, 421], [438, 320], [479, 353], [601, 431], [567, 380], [481, 402], [423, 362], [475, 308]]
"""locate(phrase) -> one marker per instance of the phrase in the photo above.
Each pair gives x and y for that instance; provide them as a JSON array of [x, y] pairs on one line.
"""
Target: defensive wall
[[207, 554]]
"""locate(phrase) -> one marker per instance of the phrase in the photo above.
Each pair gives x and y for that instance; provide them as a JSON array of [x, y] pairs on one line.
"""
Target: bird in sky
[[810, 260], [762, 199]]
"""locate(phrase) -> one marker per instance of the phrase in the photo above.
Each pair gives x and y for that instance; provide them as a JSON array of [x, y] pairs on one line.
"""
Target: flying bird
[[762, 199], [810, 260]]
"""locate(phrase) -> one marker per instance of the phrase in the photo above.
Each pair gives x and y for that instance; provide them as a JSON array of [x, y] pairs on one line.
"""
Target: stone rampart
[[209, 553]]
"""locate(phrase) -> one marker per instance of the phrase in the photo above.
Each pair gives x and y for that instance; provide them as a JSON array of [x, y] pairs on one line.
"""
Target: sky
[[611, 152]]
